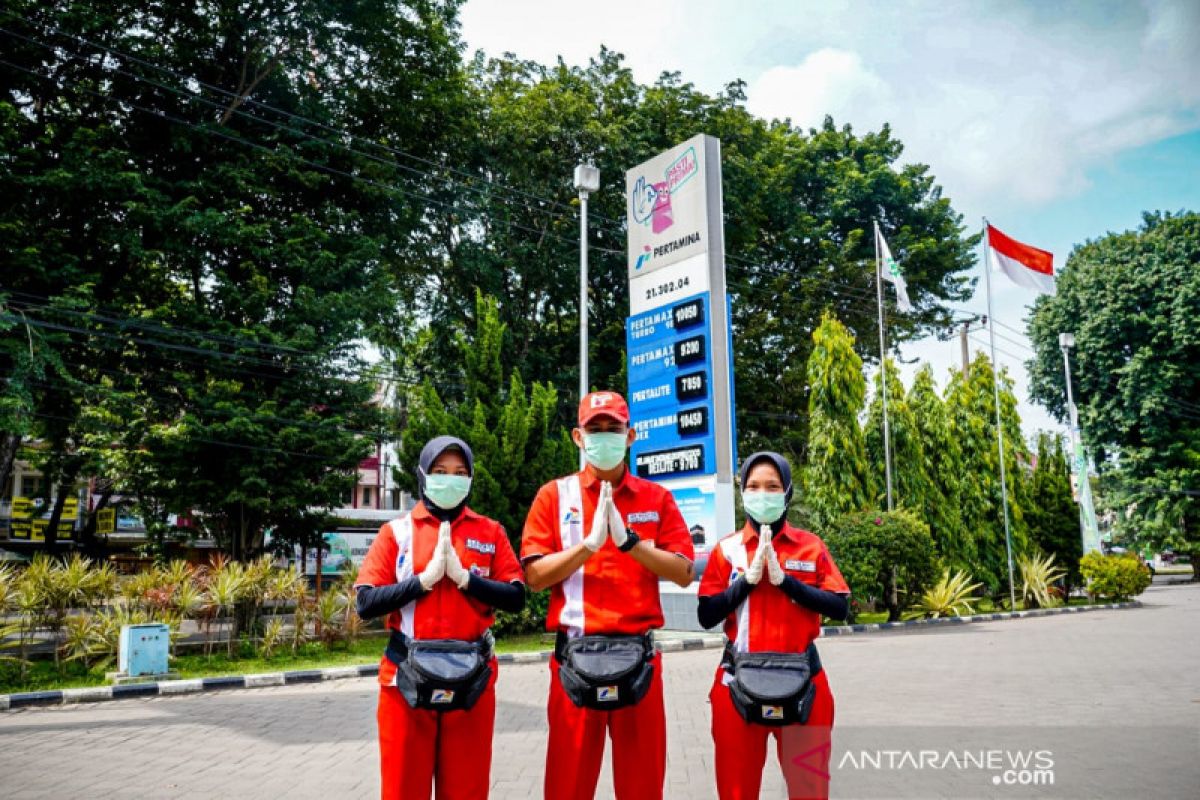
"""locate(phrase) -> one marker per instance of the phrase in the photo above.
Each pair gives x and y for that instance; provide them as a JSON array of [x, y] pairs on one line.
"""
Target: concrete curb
[[92, 694]]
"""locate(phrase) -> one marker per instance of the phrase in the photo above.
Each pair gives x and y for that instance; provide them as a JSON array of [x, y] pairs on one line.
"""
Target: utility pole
[[966, 348]]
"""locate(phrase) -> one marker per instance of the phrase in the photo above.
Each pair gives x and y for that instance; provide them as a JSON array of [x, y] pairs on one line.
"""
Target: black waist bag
[[605, 672], [441, 674], [773, 688]]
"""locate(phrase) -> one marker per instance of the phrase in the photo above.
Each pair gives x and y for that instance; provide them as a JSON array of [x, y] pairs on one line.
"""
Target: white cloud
[[828, 81]]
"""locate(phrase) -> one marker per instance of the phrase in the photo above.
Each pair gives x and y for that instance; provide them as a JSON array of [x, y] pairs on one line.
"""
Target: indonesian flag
[[1027, 266]]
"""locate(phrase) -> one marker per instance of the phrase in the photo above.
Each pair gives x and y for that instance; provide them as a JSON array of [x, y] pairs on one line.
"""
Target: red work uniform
[[418, 744], [770, 621], [611, 594]]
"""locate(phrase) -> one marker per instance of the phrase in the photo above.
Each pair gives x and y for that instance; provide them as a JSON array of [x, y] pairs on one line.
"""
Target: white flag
[[891, 272]]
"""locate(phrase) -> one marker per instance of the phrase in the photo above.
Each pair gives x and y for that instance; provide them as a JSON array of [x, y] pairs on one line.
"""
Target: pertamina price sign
[[678, 336]]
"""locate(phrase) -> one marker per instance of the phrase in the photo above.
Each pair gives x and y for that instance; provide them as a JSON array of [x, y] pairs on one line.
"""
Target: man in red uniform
[[604, 584], [770, 583], [438, 573]]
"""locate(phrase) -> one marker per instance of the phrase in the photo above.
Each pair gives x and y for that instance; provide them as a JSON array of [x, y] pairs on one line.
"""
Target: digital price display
[[670, 375]]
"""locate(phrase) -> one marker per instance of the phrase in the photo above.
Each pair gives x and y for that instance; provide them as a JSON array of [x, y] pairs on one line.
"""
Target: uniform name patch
[[481, 547], [643, 516], [801, 566], [442, 696], [606, 694]]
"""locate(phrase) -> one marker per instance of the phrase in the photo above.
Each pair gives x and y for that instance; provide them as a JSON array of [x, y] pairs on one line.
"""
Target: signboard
[[677, 336], [106, 520], [342, 548], [31, 518]]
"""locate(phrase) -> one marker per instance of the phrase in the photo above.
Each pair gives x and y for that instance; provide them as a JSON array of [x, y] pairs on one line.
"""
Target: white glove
[[616, 526], [455, 570], [595, 540], [755, 570], [435, 570], [771, 559]]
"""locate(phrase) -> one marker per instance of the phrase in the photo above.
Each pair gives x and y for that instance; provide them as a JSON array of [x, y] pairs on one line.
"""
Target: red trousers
[[741, 747], [419, 748], [576, 749]]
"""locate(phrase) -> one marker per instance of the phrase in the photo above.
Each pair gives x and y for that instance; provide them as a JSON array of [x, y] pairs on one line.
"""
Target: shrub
[[531, 619], [883, 556], [1115, 576], [949, 597], [1038, 576]]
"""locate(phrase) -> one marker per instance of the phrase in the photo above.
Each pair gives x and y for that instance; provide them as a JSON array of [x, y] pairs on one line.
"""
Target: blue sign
[[670, 390]]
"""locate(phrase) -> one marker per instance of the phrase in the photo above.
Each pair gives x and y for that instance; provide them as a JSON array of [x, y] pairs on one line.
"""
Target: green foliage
[[949, 597], [798, 205], [517, 444], [887, 558], [970, 406], [939, 481], [530, 619], [197, 272], [1039, 574], [1115, 576], [1053, 515], [1132, 300], [837, 477], [910, 482]]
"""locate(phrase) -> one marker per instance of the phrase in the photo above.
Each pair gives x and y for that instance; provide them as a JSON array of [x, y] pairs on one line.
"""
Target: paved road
[[1112, 697]]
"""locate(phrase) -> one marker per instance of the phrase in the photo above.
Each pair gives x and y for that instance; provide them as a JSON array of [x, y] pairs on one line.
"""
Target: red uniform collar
[[420, 513], [589, 481]]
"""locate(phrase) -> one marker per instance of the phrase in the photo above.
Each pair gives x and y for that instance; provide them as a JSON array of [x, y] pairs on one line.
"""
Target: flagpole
[[987, 275], [887, 438]]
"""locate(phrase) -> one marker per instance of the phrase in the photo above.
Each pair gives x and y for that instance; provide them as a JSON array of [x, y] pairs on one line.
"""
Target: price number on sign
[[685, 315], [692, 422], [692, 386], [690, 350]]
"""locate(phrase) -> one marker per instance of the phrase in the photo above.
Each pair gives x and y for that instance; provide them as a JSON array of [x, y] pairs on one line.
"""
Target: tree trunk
[[87, 535], [10, 444], [52, 528], [893, 598]]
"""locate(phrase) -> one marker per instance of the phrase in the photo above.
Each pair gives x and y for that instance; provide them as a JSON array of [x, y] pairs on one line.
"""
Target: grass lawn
[[42, 675]]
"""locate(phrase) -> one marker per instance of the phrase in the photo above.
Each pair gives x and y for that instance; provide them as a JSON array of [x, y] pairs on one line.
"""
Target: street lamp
[[587, 180]]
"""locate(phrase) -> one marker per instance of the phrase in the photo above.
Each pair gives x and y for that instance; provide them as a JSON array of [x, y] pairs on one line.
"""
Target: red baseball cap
[[603, 404]]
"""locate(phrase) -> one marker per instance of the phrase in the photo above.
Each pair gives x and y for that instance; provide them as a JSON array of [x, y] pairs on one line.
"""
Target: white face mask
[[446, 491], [765, 507]]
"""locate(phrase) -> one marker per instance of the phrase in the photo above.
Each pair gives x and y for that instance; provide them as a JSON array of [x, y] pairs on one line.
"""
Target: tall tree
[[910, 482], [513, 433], [1132, 300], [971, 409], [798, 206], [937, 499], [215, 203], [837, 477], [1053, 515]]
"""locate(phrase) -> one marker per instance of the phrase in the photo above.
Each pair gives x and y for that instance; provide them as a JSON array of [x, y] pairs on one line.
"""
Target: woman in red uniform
[[438, 574], [771, 583]]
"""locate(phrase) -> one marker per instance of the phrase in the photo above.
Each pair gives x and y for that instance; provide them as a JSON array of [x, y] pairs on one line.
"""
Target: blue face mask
[[765, 507], [446, 491]]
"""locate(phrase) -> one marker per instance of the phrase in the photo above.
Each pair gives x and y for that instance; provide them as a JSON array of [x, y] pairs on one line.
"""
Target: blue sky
[[1059, 122]]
